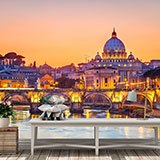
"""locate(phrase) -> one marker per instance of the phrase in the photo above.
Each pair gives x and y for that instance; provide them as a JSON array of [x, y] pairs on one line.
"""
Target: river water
[[83, 132]]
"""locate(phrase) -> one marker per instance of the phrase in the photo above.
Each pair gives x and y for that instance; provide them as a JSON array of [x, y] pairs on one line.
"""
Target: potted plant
[[6, 111]]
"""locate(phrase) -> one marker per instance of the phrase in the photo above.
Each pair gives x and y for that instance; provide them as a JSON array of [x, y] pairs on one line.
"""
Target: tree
[[153, 73]]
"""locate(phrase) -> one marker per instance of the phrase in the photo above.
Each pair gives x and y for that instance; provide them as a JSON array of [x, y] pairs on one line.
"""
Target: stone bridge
[[31, 96]]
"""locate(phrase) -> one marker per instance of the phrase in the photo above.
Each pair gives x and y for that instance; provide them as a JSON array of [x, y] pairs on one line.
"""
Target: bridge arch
[[140, 100], [97, 99], [17, 98]]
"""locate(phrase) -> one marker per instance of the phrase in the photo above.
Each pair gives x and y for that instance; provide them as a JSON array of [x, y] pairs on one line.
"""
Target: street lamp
[[146, 94]]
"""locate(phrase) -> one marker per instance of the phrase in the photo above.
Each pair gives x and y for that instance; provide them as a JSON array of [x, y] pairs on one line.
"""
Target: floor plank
[[91, 155], [15, 156], [74, 154], [35, 156], [142, 155], [122, 155], [113, 155], [4, 157], [132, 155], [152, 155], [83, 154], [54, 155], [106, 155], [64, 155], [44, 155], [157, 152], [25, 154]]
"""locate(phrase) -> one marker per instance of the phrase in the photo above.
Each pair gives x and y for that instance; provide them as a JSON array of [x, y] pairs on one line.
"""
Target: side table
[[9, 140]]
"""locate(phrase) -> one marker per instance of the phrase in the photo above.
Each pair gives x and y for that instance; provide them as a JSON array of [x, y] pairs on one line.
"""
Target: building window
[[97, 81], [125, 65], [106, 80]]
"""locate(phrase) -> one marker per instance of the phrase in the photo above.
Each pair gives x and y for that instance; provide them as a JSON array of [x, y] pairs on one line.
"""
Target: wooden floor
[[85, 155]]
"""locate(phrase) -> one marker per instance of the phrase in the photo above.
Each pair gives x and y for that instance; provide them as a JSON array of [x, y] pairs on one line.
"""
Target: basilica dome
[[114, 47]]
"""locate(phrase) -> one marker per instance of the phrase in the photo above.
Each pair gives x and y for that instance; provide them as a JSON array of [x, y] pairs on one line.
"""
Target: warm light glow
[[87, 113], [67, 113], [137, 83], [108, 115], [76, 97], [2, 94], [117, 97], [35, 97]]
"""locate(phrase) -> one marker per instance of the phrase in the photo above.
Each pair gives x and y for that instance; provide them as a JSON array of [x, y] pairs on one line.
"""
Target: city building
[[46, 69], [101, 78], [65, 71], [47, 81], [124, 72], [14, 73], [154, 63], [113, 68], [9, 80]]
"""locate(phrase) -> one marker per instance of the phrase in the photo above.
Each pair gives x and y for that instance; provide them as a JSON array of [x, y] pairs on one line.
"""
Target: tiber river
[[84, 132]]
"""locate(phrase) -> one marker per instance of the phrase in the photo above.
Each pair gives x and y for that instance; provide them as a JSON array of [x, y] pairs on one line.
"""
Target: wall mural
[[111, 85]]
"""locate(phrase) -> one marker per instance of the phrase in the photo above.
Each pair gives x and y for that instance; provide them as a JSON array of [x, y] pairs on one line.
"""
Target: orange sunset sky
[[61, 32]]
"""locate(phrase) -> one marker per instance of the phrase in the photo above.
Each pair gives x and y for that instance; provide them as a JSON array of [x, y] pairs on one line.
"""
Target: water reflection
[[94, 113], [85, 132]]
